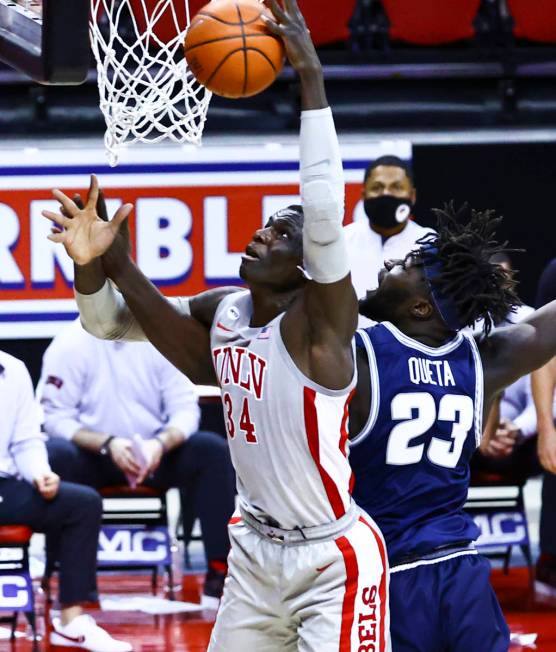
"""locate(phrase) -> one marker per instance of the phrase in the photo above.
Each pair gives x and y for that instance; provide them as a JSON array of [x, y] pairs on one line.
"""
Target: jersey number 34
[[418, 414]]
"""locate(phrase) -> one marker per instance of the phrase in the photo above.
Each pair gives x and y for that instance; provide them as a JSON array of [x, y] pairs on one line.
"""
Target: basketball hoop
[[147, 93]]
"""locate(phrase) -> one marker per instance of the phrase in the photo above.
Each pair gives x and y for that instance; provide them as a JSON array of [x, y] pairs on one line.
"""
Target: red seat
[[535, 21], [431, 22], [328, 22], [125, 491], [15, 534]]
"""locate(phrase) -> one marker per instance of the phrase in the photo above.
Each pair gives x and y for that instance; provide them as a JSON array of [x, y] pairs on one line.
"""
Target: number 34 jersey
[[287, 435], [411, 460]]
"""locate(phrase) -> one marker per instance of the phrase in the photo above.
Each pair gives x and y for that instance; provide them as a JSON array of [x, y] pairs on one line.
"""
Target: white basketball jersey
[[288, 436]]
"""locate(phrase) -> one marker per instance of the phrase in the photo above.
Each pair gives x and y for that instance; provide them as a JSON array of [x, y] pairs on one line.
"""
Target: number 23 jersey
[[287, 435], [411, 460]]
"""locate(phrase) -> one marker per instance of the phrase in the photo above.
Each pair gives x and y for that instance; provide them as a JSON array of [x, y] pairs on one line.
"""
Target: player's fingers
[[278, 12], [293, 10], [92, 197], [102, 211], [272, 26], [69, 206], [78, 201], [58, 238], [121, 214], [60, 220]]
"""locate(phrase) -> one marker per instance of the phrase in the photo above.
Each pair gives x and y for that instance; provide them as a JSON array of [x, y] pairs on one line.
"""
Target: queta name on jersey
[[423, 371], [236, 365]]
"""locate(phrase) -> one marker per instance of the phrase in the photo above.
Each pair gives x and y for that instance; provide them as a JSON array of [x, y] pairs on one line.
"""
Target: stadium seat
[[135, 532], [501, 516], [134, 535], [535, 21], [16, 589], [328, 22], [435, 23]]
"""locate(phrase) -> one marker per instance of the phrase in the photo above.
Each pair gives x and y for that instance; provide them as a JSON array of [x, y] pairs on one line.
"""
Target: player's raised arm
[[179, 328], [318, 328], [512, 352]]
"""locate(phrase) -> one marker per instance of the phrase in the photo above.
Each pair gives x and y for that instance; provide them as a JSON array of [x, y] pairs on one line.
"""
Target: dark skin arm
[[516, 350], [100, 250], [320, 324]]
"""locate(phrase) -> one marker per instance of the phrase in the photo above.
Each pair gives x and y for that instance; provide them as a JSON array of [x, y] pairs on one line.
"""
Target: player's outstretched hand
[[83, 233], [290, 26]]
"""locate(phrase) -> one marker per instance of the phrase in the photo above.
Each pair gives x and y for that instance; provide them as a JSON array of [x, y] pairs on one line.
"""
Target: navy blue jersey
[[411, 460]]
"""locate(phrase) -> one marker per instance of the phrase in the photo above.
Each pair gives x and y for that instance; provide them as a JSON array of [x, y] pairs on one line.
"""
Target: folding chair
[[16, 587]]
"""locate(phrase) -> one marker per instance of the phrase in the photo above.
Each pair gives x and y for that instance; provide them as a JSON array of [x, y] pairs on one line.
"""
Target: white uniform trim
[[479, 389], [429, 350], [375, 390], [429, 562]]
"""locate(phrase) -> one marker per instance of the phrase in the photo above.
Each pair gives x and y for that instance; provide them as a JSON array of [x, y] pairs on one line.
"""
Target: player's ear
[[422, 309]]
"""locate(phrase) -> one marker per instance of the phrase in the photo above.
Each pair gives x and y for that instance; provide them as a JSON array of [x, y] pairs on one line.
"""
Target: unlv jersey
[[411, 460], [287, 435]]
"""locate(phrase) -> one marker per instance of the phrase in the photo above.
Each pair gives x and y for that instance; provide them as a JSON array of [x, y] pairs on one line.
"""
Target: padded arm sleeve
[[105, 314], [322, 196]]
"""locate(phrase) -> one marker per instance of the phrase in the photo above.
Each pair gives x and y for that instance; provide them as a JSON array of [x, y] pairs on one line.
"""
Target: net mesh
[[147, 93]]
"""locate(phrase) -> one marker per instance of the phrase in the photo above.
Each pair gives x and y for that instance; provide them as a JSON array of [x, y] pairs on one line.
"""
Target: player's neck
[[267, 305], [427, 333]]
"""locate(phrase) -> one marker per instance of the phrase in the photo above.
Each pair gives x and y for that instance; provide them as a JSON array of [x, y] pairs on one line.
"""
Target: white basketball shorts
[[319, 595]]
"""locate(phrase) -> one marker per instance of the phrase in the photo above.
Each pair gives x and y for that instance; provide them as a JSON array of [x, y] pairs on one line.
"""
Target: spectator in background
[[512, 446], [544, 384], [31, 494], [390, 232], [97, 395]]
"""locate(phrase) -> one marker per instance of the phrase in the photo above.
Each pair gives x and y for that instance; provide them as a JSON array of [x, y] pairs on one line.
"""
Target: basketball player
[[415, 431], [307, 569]]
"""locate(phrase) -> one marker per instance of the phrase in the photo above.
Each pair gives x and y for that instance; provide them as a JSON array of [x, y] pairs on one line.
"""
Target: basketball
[[230, 50]]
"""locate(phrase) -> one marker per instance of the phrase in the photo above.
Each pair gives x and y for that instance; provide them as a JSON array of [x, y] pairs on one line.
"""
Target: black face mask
[[388, 211]]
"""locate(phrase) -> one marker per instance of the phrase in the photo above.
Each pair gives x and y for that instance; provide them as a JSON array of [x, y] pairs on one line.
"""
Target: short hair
[[391, 161], [479, 288]]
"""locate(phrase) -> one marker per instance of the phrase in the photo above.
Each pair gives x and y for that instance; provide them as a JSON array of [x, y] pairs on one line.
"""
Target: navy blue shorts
[[446, 606]]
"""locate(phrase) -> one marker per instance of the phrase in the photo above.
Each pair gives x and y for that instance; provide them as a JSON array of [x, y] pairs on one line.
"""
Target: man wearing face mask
[[389, 233]]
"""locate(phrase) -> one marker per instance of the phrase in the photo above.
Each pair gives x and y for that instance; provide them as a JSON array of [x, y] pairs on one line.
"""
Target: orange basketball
[[230, 50]]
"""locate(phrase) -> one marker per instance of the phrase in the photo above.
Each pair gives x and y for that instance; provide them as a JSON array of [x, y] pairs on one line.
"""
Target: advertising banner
[[195, 211]]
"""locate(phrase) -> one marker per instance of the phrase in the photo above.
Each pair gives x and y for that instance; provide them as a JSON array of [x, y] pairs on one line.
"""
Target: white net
[[147, 93]]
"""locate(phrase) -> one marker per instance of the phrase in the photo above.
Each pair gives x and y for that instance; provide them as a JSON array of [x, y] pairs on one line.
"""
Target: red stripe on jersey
[[221, 325], [234, 520], [383, 589], [344, 430], [312, 429], [352, 582]]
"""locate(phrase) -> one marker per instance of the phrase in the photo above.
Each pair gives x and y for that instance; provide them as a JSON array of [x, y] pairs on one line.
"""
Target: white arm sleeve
[[105, 314], [322, 196]]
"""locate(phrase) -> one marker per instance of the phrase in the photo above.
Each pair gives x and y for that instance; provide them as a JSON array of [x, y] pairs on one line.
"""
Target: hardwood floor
[[191, 632]]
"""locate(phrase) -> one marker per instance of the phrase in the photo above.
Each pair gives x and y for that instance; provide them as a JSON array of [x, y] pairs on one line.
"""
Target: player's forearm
[[543, 383], [170, 328], [313, 93], [89, 278]]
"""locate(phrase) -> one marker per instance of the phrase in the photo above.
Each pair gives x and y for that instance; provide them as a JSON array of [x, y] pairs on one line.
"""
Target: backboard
[[48, 40]]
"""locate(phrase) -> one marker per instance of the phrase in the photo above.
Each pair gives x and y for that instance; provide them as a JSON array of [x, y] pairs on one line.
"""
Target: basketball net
[[147, 93]]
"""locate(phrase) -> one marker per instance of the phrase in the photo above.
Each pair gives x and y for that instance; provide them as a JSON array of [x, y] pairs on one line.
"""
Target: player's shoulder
[[205, 305]]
